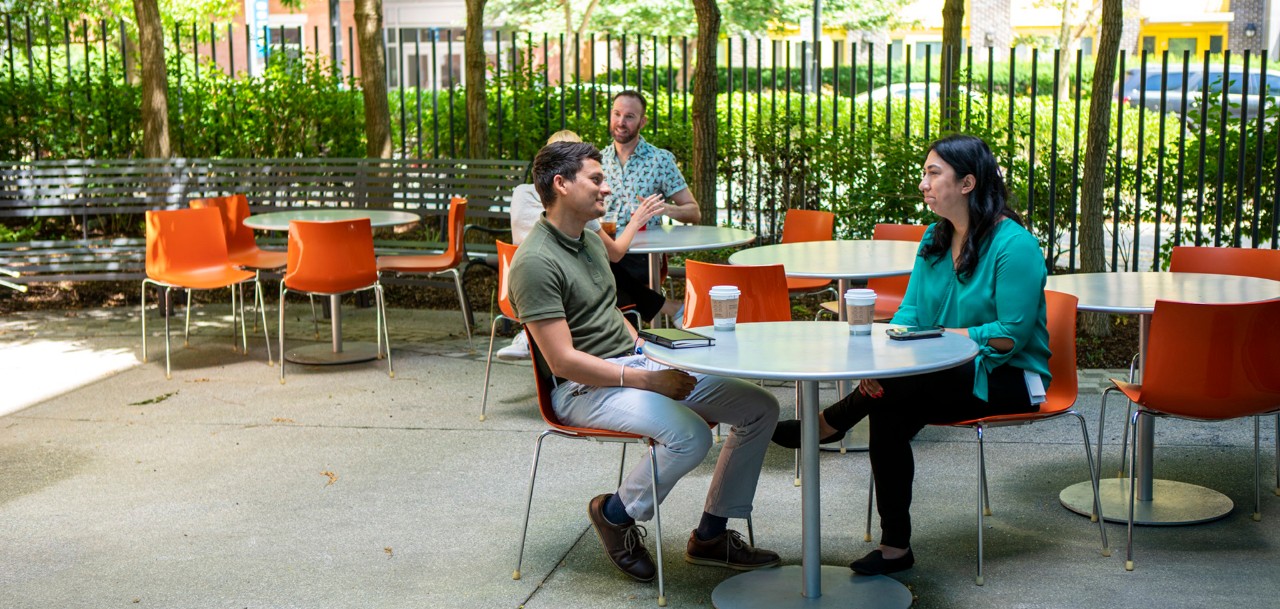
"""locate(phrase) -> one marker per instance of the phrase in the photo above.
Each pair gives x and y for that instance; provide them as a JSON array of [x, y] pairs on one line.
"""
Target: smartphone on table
[[915, 332]]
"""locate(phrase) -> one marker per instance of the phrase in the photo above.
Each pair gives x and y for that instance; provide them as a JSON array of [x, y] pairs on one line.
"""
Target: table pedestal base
[[322, 354], [780, 589], [1174, 503], [857, 439]]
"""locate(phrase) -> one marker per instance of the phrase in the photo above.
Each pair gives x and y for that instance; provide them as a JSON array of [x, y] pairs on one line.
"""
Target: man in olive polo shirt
[[563, 291]]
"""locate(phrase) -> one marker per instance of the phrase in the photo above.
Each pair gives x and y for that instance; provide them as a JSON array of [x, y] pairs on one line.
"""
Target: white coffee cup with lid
[[724, 306], [860, 309]]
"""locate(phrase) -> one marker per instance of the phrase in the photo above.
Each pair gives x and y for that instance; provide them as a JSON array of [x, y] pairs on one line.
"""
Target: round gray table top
[[279, 220], [1136, 292], [687, 238], [814, 351], [858, 259]]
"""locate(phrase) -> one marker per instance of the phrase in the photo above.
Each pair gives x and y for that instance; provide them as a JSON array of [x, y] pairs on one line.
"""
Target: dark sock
[[615, 512], [711, 526]]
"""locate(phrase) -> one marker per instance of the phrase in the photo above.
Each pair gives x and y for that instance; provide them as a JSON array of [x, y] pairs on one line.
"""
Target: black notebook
[[673, 338]]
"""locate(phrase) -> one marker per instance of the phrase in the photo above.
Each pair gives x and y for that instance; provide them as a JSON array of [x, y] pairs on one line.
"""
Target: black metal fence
[[1192, 159]]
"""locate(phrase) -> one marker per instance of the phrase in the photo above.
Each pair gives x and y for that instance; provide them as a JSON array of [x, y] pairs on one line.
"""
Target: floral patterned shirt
[[648, 170]]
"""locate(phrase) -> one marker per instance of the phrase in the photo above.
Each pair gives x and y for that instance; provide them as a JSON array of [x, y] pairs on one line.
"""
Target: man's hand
[[675, 384]]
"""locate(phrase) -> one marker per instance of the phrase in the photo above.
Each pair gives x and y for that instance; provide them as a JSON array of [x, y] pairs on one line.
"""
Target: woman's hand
[[870, 388], [648, 208]]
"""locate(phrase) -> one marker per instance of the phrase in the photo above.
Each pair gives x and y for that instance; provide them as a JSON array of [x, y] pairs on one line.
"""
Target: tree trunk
[[1066, 51], [373, 78], [1092, 257], [477, 100], [705, 134], [952, 23], [155, 80]]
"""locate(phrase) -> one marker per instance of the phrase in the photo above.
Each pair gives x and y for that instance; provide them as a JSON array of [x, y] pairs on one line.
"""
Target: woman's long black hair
[[988, 201]]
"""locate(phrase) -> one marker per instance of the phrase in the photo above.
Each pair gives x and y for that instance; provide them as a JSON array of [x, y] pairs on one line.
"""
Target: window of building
[[897, 50], [1086, 45], [930, 49], [1148, 44], [1215, 44], [1178, 45]]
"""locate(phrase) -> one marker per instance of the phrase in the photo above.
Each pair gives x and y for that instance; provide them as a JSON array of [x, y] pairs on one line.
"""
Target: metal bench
[[102, 202]]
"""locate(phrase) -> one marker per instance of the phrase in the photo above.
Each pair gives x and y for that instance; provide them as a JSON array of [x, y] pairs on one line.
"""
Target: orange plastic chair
[[802, 225], [243, 250], [1208, 363], [763, 287], [433, 264], [545, 383], [329, 258], [506, 252], [889, 290], [186, 250], [1060, 400], [1241, 262]]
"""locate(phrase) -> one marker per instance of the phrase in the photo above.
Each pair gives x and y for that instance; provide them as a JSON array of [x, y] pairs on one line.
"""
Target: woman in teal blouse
[[979, 273]]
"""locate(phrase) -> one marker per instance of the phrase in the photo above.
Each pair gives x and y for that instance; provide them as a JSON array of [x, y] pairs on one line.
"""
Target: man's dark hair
[[632, 94], [562, 159]]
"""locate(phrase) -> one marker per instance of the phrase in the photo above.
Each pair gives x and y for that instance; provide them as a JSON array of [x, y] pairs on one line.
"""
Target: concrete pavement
[[346, 488]]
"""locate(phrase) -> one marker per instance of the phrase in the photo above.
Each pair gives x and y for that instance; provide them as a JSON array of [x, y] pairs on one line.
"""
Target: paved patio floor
[[346, 488]]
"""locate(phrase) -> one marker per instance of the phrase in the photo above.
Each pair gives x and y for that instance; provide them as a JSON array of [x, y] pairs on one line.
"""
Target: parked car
[[1234, 81]]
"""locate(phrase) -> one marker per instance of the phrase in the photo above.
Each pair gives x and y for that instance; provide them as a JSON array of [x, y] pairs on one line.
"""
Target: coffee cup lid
[[860, 293], [725, 290]]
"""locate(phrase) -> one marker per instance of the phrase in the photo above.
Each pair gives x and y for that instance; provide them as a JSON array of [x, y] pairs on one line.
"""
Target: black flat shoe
[[876, 564], [787, 434]]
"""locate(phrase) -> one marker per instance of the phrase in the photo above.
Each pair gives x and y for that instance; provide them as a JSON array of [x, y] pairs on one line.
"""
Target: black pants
[[632, 291], [908, 404]]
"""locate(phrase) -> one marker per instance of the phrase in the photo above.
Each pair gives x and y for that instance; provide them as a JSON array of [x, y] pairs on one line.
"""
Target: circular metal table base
[[857, 439], [1175, 503], [321, 354], [780, 589]]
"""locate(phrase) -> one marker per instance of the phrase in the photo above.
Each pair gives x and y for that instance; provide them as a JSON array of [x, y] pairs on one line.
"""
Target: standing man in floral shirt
[[636, 169]]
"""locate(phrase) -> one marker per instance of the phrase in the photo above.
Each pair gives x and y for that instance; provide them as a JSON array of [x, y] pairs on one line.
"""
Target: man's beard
[[614, 134]]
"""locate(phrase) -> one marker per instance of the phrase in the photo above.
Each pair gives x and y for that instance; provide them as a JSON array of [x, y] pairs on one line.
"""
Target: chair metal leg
[[280, 329], [186, 331], [986, 495], [1257, 471], [1133, 491], [386, 335], [1124, 448], [528, 502], [657, 520], [871, 494], [462, 303], [1093, 478], [622, 465], [260, 301], [982, 470], [238, 290], [168, 306], [488, 365], [142, 313], [315, 321]]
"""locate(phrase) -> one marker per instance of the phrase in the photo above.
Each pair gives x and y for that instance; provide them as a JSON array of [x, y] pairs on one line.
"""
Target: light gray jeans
[[681, 432]]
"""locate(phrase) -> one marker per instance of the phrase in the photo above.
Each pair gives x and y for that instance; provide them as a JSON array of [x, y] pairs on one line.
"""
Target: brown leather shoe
[[623, 543], [728, 550]]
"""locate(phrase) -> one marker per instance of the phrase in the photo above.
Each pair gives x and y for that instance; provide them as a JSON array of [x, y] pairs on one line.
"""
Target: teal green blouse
[[1003, 298]]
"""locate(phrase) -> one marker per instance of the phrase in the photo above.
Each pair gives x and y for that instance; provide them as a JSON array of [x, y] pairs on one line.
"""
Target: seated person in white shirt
[[526, 208]]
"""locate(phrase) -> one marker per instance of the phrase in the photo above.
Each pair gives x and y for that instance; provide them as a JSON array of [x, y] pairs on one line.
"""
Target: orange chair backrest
[[894, 288], [1060, 315], [1213, 361], [234, 209], [330, 257], [1244, 262], [457, 222], [801, 225], [764, 291], [183, 240], [506, 252], [542, 379]]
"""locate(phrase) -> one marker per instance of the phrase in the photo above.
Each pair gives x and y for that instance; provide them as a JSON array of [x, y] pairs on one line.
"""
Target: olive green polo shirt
[[554, 276]]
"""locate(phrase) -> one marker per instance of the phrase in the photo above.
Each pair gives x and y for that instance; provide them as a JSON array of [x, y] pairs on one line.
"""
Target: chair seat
[[428, 263], [1130, 390], [258, 259], [204, 278], [800, 284], [1050, 408]]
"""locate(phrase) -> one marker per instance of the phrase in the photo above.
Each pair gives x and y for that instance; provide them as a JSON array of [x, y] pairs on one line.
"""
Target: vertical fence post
[[1261, 141], [1075, 160], [1119, 164], [1221, 172]]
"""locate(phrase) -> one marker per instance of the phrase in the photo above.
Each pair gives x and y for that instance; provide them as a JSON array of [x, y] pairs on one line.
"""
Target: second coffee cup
[[724, 306]]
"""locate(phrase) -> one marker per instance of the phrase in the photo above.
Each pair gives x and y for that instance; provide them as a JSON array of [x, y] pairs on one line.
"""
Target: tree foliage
[[678, 19]]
